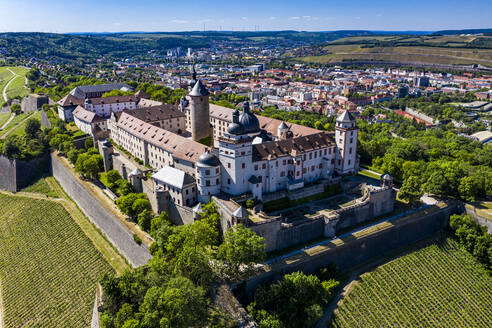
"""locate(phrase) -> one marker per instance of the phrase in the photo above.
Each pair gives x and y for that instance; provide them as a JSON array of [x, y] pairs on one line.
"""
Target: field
[[445, 50], [48, 267], [41, 187], [16, 87], [439, 285], [18, 123]]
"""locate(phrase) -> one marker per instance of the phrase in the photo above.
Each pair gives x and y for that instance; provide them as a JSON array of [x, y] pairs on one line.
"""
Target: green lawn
[[4, 117], [17, 88], [20, 127], [439, 285], [48, 267], [41, 187], [370, 174]]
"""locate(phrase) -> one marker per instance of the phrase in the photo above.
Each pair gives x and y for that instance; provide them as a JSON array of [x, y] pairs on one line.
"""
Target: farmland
[[445, 50], [439, 285], [12, 82], [48, 267]]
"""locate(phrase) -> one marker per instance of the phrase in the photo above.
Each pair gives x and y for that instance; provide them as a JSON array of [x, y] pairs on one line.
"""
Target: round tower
[[208, 176], [199, 112], [386, 181]]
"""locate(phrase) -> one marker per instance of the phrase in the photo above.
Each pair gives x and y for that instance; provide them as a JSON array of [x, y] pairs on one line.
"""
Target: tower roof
[[208, 159], [248, 120], [199, 90], [283, 126], [345, 117], [241, 212]]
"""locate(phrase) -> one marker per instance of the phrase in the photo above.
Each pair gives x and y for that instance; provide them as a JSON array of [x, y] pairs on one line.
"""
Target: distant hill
[[86, 47], [467, 31]]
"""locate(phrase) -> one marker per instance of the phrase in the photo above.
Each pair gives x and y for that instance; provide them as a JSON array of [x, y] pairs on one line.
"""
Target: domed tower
[[248, 120], [199, 112], [386, 181], [208, 176], [346, 138]]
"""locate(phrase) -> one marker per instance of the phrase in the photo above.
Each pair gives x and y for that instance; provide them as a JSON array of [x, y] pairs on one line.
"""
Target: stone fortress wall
[[16, 174], [354, 251], [279, 235]]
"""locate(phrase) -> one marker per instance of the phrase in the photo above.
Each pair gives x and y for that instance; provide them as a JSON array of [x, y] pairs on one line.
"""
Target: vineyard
[[437, 286], [48, 267]]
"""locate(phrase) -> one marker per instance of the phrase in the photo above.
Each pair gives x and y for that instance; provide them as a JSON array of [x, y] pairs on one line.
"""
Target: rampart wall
[[355, 251]]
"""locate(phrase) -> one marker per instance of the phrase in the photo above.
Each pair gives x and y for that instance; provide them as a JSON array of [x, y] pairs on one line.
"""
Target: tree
[[112, 178], [241, 250], [126, 204], [140, 205], [16, 109], [124, 187], [33, 126], [91, 167], [437, 184], [468, 188], [10, 149], [89, 143], [72, 155], [411, 190], [144, 218], [58, 140]]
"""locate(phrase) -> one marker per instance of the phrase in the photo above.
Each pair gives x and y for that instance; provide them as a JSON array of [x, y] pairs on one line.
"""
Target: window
[[325, 152], [312, 168], [243, 165], [217, 170], [217, 181], [228, 181], [351, 140], [207, 183], [263, 166], [282, 174], [350, 150], [349, 162], [260, 178], [187, 191], [284, 162], [304, 157], [276, 163], [256, 167], [332, 161], [243, 153], [298, 173], [207, 172], [228, 165]]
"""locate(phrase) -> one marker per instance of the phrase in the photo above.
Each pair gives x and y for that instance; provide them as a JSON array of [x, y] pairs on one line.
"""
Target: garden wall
[[16, 174]]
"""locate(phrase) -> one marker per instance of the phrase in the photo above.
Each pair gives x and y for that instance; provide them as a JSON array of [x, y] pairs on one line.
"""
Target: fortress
[[250, 157]]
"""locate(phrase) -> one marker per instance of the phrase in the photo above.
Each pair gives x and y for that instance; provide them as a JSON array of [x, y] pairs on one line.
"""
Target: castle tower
[[136, 177], [283, 131], [106, 151], [346, 138], [199, 112], [208, 176]]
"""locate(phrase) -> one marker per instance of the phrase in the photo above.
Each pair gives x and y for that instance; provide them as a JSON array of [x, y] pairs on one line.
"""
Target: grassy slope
[[41, 187], [437, 286], [4, 118], [439, 55], [48, 267]]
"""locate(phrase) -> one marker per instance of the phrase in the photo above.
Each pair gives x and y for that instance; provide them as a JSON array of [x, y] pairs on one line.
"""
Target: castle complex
[[249, 157]]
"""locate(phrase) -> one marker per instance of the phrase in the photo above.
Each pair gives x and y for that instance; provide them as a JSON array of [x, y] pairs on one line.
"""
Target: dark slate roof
[[292, 147], [235, 129], [154, 113], [345, 117], [199, 90], [113, 99], [82, 90], [249, 121], [208, 159]]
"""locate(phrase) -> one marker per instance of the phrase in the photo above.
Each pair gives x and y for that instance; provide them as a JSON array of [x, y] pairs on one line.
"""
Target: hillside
[[439, 285], [88, 47], [428, 49]]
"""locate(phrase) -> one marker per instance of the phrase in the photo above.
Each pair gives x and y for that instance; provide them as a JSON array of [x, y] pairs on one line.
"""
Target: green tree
[[437, 184], [468, 188], [112, 177], [241, 250], [10, 149], [33, 126], [144, 219], [411, 190]]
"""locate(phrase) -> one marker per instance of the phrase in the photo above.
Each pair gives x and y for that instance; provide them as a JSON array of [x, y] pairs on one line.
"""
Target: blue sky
[[310, 15]]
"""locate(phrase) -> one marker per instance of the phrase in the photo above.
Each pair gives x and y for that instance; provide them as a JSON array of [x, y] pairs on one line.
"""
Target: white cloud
[[178, 21], [207, 20], [273, 17], [295, 17], [244, 18], [379, 15], [306, 17]]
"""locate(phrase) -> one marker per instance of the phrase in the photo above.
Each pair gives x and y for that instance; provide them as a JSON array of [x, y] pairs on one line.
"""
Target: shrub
[[137, 239], [250, 203]]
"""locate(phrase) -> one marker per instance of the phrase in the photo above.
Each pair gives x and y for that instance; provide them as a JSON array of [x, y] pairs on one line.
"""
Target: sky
[[61, 16]]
